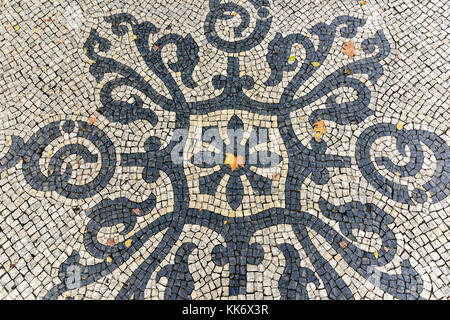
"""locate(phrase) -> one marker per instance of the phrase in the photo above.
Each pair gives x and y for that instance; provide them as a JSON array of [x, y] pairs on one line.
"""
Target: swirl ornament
[[406, 139], [223, 11], [234, 199], [55, 179]]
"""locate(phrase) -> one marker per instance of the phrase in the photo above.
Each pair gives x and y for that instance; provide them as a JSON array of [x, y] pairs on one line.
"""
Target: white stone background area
[[44, 77]]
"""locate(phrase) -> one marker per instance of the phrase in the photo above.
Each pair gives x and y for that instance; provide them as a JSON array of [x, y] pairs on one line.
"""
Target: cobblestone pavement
[[260, 149]]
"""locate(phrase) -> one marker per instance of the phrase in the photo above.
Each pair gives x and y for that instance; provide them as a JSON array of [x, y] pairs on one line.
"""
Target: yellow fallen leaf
[[229, 159], [133, 37], [399, 126], [16, 28], [234, 14], [363, 2], [128, 243], [49, 154], [376, 254], [315, 64], [108, 259], [292, 58], [225, 222]]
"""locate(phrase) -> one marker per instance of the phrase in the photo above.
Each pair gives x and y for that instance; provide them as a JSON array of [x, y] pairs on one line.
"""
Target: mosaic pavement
[[259, 149]]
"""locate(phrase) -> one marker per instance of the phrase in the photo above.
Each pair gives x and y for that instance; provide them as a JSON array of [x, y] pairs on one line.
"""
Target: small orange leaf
[[234, 161], [349, 49], [240, 161], [343, 244], [319, 127], [137, 211], [92, 120], [155, 48], [111, 242]]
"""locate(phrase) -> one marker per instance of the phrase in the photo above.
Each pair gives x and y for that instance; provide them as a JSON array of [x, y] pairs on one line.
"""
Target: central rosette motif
[[235, 163]]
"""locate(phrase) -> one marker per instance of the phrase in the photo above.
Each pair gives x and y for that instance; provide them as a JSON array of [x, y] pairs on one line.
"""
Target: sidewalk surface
[[260, 149]]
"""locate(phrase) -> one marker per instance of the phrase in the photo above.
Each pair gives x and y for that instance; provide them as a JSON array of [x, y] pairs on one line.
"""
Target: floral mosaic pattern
[[247, 161]]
